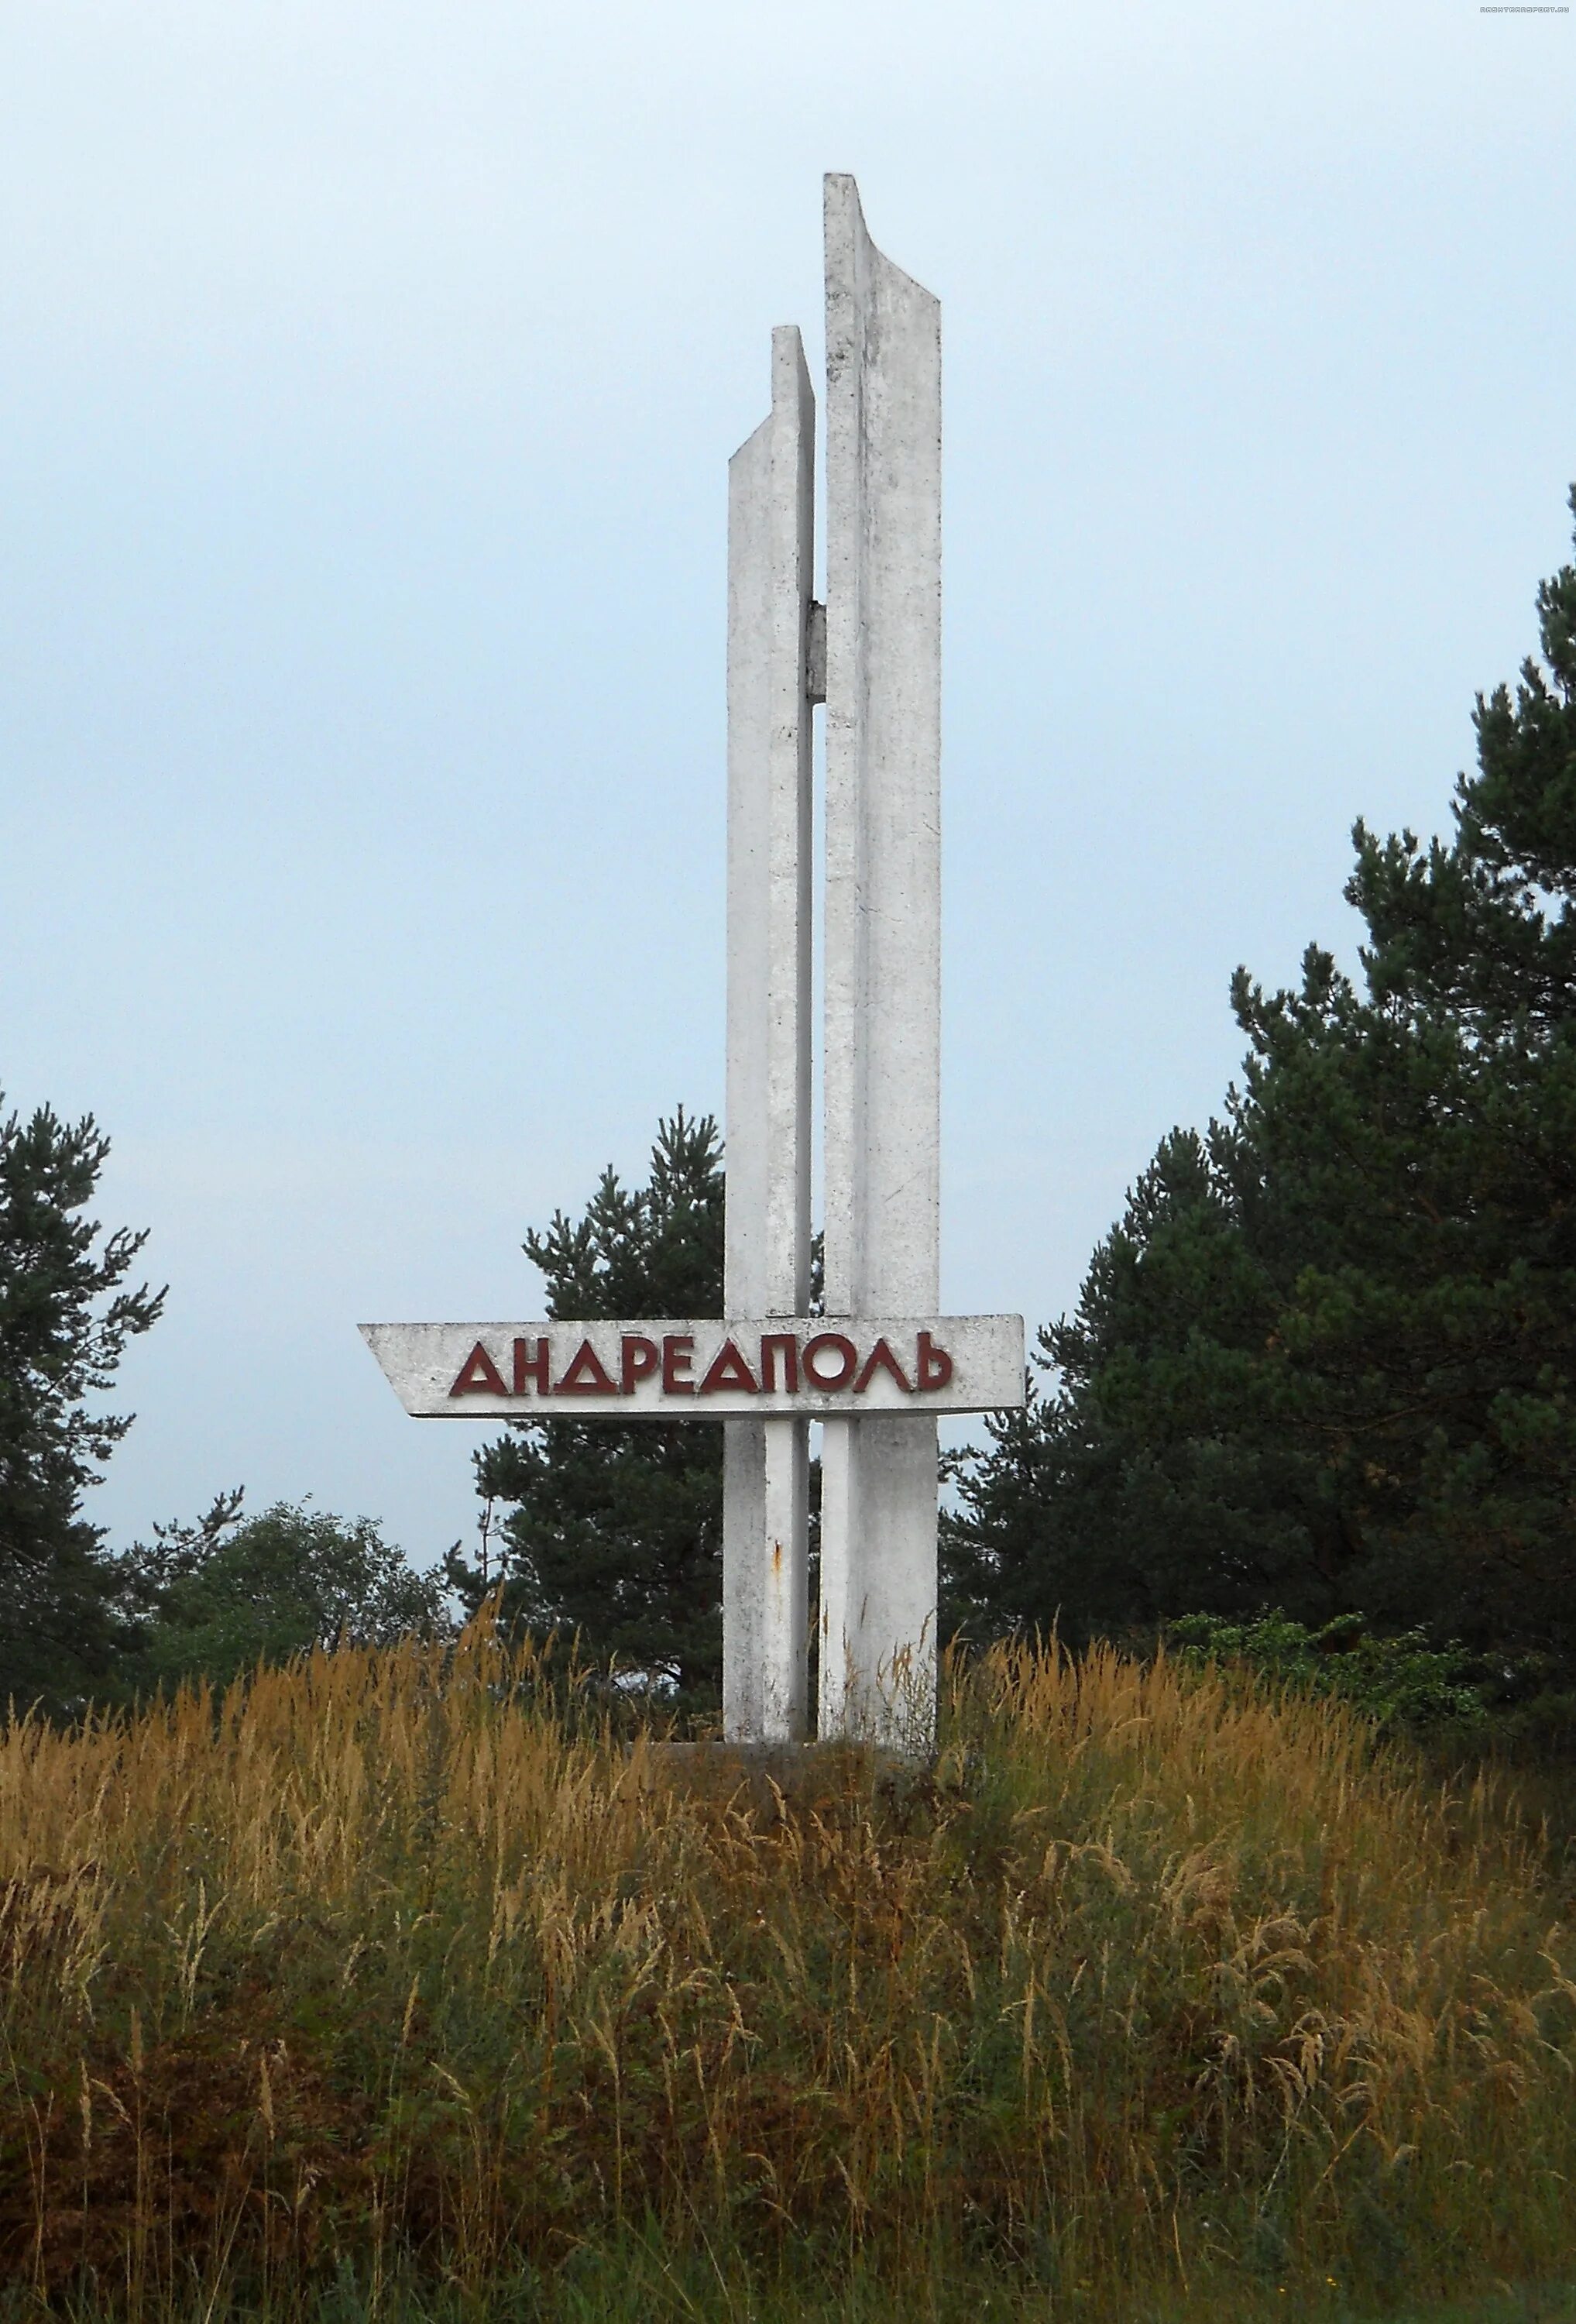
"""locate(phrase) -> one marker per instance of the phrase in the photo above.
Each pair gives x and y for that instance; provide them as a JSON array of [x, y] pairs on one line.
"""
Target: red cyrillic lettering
[[935, 1364], [881, 1359], [676, 1363], [640, 1359], [586, 1375], [771, 1342], [727, 1369], [527, 1367], [479, 1376], [847, 1357]]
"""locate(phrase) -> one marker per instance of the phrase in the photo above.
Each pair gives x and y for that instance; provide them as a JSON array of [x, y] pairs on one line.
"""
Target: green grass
[[639, 2281]]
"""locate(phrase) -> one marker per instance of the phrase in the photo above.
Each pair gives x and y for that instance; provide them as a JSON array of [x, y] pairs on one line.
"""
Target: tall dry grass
[[400, 1961]]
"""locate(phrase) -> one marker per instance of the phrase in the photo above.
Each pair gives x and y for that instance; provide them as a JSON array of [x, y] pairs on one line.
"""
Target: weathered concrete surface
[[770, 1779], [882, 958], [766, 1462]]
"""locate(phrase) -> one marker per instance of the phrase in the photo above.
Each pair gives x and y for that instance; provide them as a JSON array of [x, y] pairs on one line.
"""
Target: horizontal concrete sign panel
[[686, 1369]]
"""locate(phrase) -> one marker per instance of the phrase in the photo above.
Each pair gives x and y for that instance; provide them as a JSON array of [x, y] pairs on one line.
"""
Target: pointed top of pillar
[[793, 397], [852, 252], [791, 373]]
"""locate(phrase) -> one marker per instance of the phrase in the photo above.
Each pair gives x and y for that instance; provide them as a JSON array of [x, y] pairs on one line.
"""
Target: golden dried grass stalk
[[404, 1954]]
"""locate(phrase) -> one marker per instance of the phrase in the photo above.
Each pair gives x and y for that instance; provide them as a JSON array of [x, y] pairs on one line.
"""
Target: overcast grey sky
[[370, 374]]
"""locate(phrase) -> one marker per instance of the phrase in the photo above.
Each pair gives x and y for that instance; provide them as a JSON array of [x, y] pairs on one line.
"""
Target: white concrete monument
[[880, 1365]]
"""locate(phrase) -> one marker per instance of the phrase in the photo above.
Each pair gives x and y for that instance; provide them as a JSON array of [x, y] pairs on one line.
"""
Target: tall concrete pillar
[[765, 1472], [883, 960]]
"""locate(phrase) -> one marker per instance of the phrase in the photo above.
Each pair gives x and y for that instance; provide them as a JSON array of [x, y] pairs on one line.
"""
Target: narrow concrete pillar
[[883, 960], [765, 1476]]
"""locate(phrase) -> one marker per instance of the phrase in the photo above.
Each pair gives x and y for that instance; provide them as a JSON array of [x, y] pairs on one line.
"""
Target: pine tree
[[1327, 1359], [64, 1323], [614, 1532]]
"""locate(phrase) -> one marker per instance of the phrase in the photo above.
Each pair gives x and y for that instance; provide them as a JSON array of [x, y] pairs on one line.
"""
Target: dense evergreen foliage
[[65, 1320], [614, 1532], [1327, 1359]]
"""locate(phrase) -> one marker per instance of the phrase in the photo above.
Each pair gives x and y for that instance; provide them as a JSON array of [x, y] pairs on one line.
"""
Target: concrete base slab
[[766, 1776]]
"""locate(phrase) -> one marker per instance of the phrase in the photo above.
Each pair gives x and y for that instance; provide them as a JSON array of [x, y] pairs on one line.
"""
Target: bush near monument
[[1327, 1360], [212, 1599], [393, 1966], [1404, 1685]]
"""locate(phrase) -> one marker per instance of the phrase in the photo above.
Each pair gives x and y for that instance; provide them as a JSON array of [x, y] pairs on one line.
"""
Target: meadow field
[[420, 1983]]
